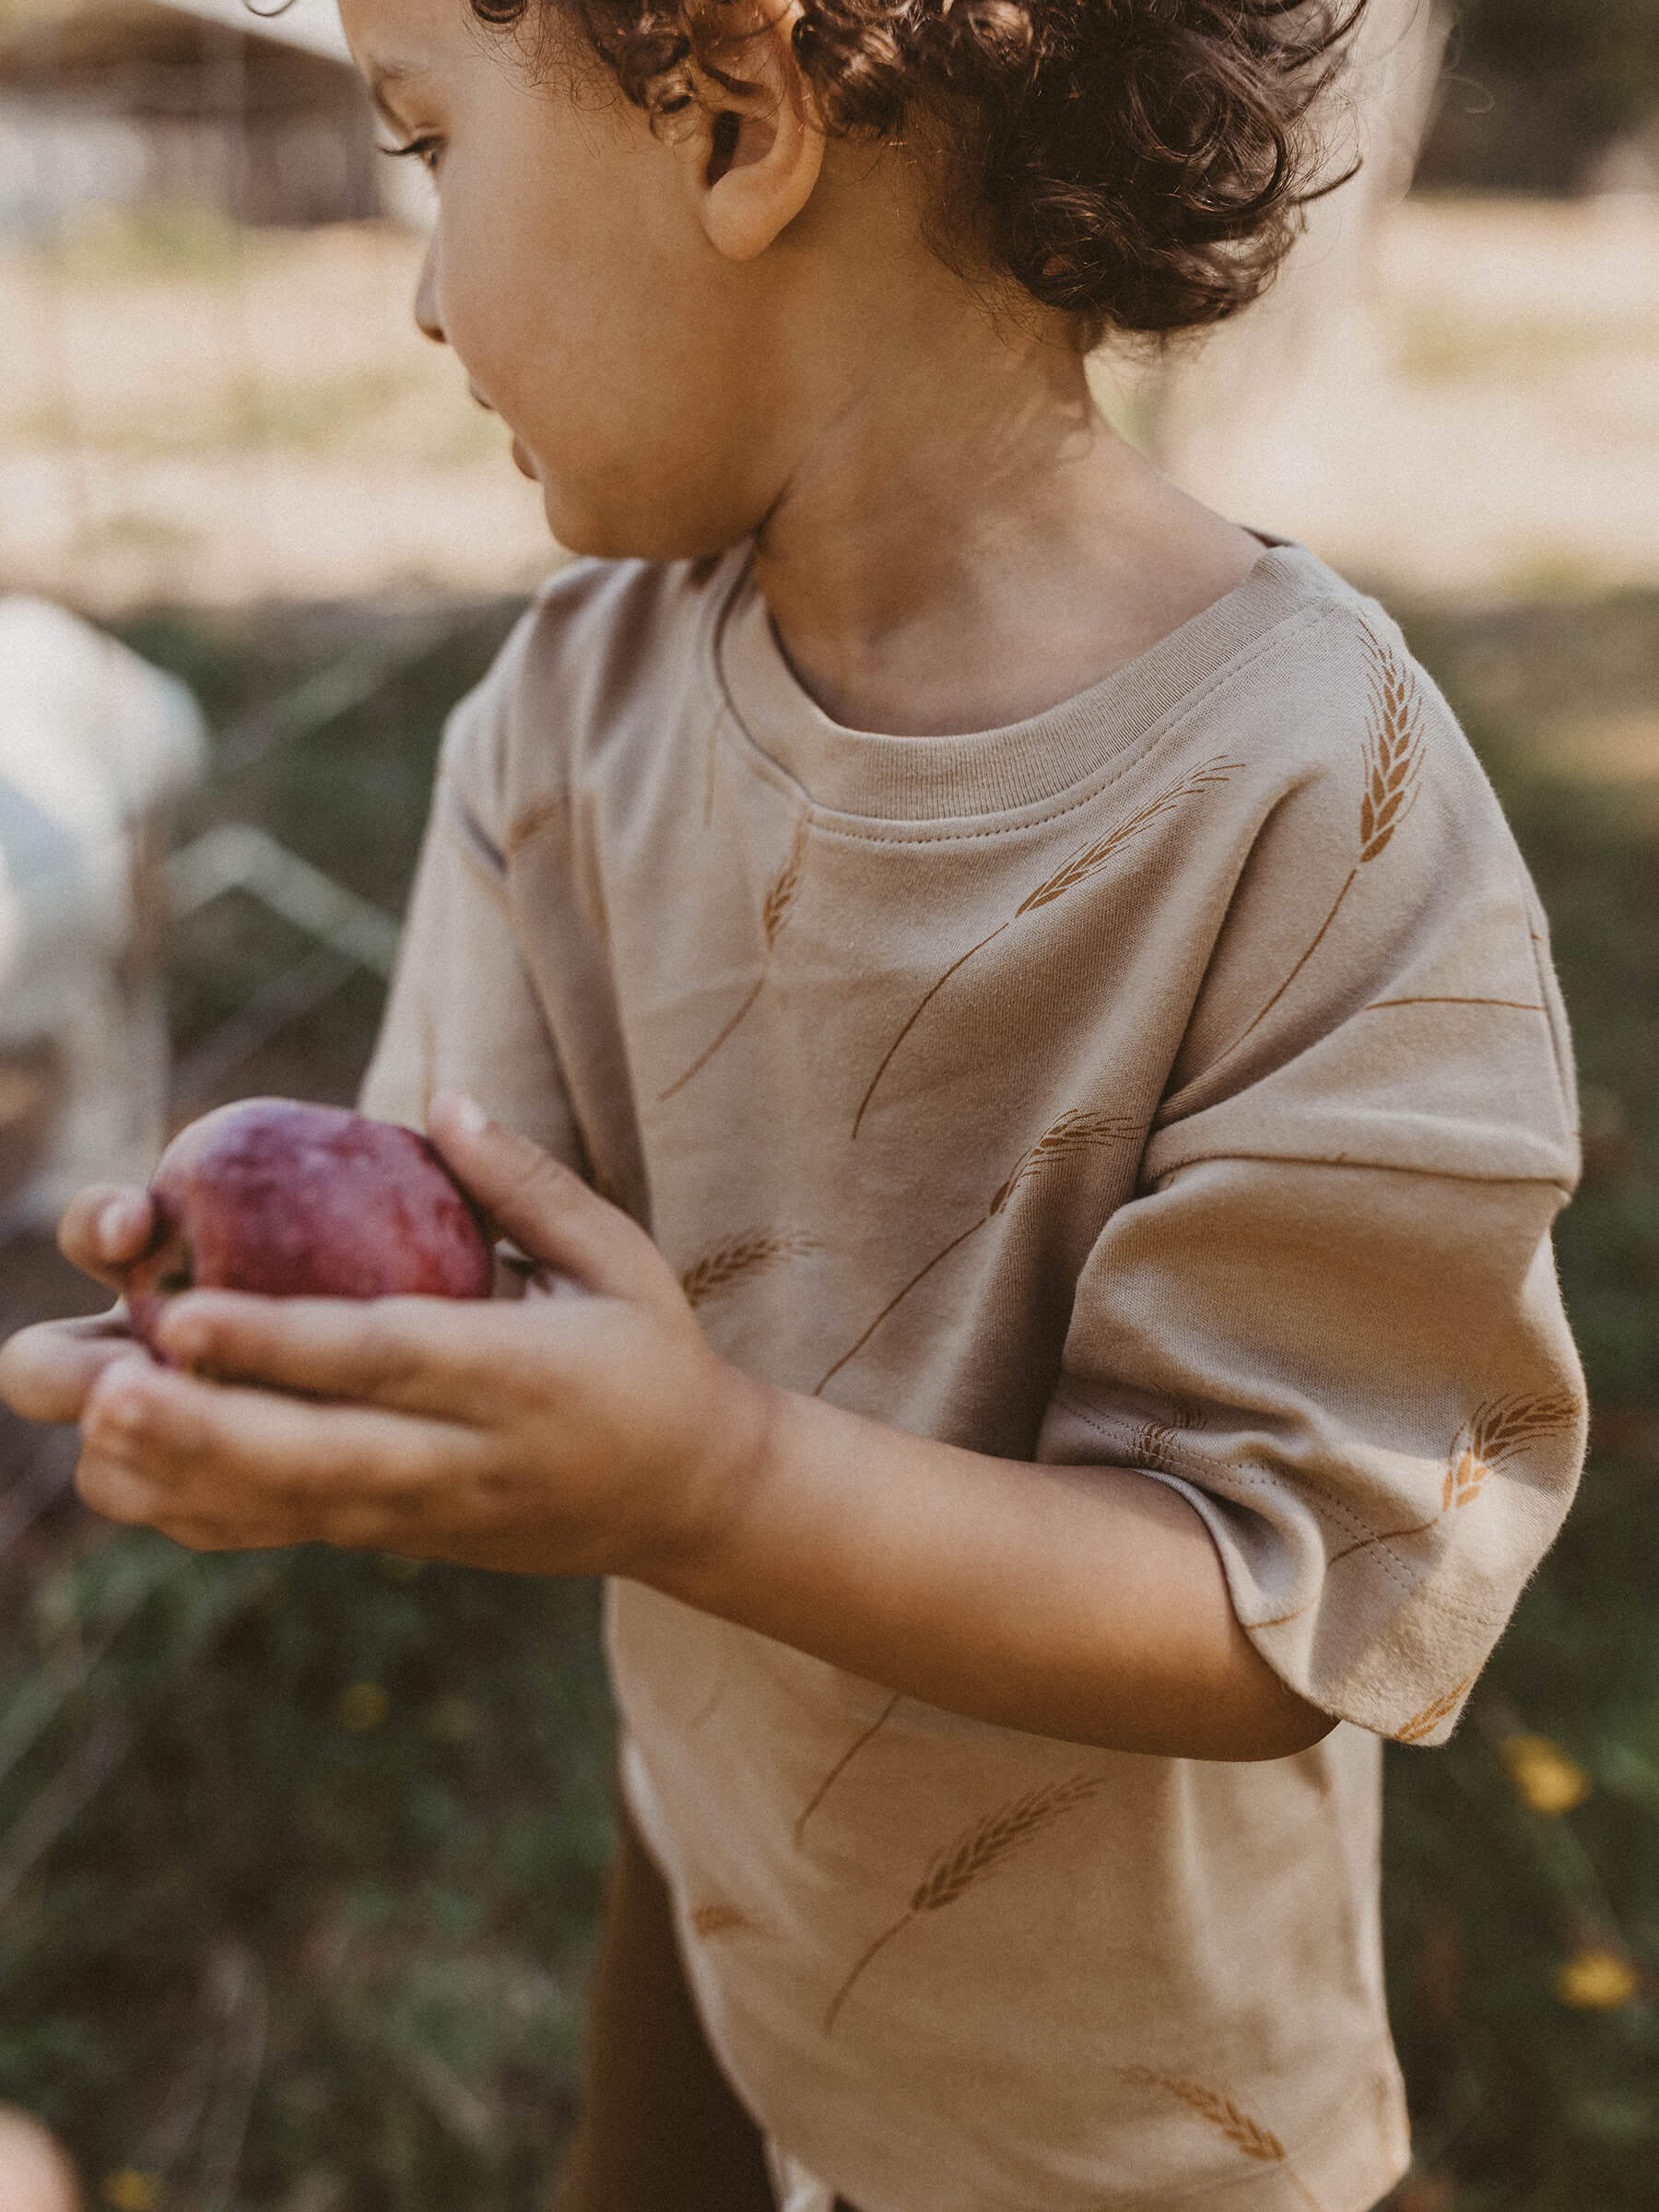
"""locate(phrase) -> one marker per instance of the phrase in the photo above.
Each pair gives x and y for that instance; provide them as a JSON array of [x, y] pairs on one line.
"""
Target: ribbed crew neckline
[[987, 772]]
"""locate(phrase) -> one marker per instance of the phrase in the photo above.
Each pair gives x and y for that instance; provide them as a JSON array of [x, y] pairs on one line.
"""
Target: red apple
[[292, 1200]]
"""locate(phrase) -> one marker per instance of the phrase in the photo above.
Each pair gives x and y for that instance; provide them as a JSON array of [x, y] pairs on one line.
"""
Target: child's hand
[[47, 1371], [587, 1429]]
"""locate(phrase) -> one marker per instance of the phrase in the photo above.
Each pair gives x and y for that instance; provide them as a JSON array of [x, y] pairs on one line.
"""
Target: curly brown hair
[[1141, 165]]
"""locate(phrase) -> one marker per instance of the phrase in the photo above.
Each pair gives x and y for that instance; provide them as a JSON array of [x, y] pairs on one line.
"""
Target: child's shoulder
[[595, 634], [1337, 726], [1313, 659], [608, 653]]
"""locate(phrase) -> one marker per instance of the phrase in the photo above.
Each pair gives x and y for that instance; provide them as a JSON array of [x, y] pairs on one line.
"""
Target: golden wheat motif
[[1088, 860], [1245, 2133], [1075, 1132], [1494, 1432], [718, 1919], [976, 1854], [1392, 758], [775, 913], [1425, 1723], [1156, 1444], [1394, 746], [1079, 867], [740, 1259]]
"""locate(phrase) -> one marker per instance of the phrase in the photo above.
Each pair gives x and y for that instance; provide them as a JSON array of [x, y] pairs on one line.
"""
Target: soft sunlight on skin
[[693, 346]]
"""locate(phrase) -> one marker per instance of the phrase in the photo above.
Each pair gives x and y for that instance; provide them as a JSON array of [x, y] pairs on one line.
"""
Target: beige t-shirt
[[1177, 1081]]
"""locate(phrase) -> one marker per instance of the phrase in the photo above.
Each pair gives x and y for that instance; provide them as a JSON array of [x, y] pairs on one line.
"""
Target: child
[[1067, 1355]]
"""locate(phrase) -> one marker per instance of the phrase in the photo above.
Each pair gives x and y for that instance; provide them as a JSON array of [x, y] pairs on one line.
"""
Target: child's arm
[[595, 1431]]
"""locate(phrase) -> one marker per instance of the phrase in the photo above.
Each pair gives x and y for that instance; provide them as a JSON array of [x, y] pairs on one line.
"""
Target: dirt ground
[[203, 417]]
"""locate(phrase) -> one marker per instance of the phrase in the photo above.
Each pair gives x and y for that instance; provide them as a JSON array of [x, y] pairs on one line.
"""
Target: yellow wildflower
[[1595, 1981], [129, 2190], [362, 1707], [1544, 1776]]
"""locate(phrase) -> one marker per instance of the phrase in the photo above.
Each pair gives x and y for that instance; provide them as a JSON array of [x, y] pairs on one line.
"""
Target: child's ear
[[751, 152]]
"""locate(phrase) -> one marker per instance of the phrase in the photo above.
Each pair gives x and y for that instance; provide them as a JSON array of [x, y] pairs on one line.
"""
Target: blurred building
[[108, 103]]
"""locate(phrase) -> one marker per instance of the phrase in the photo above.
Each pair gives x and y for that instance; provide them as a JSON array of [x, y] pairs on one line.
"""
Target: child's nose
[[427, 318]]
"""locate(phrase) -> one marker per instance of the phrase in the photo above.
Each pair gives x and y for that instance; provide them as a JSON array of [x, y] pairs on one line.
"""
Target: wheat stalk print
[[709, 756], [1156, 1442], [1425, 1723], [1393, 758], [1245, 2133], [706, 1710], [775, 913], [1492, 1433], [1074, 1132], [977, 1852], [841, 1764], [1079, 867], [1495, 1433], [718, 1919], [1518, 1005], [727, 1266]]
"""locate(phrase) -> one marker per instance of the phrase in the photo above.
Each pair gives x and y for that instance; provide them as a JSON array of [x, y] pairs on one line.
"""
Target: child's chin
[[648, 534]]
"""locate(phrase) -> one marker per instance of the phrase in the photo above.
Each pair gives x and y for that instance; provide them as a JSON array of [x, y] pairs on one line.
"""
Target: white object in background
[[795, 2189], [93, 744], [238, 857]]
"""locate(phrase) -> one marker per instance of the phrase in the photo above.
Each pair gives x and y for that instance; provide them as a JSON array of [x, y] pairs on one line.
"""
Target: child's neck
[[966, 542]]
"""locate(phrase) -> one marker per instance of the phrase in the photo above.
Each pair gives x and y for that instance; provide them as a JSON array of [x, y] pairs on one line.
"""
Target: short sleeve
[[1330, 1315], [463, 1011]]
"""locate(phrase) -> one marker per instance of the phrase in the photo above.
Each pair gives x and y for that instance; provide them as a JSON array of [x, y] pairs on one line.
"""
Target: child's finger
[[105, 1228], [249, 1466], [114, 1489], [447, 1358], [547, 1210], [400, 1353], [47, 1371]]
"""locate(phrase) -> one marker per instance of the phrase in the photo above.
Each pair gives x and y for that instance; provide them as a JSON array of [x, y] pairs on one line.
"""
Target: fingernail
[[118, 1223], [470, 1117]]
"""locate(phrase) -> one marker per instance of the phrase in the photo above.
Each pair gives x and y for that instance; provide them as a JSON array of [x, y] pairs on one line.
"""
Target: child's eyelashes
[[426, 149]]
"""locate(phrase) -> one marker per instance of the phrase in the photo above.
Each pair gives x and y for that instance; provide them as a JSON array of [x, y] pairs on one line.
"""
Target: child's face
[[636, 365]]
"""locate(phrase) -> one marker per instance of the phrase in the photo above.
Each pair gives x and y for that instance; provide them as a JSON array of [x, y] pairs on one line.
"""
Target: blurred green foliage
[[300, 1853], [1523, 2101]]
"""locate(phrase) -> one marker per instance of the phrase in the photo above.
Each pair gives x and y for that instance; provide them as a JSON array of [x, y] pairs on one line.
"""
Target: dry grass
[[260, 420], [244, 416]]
